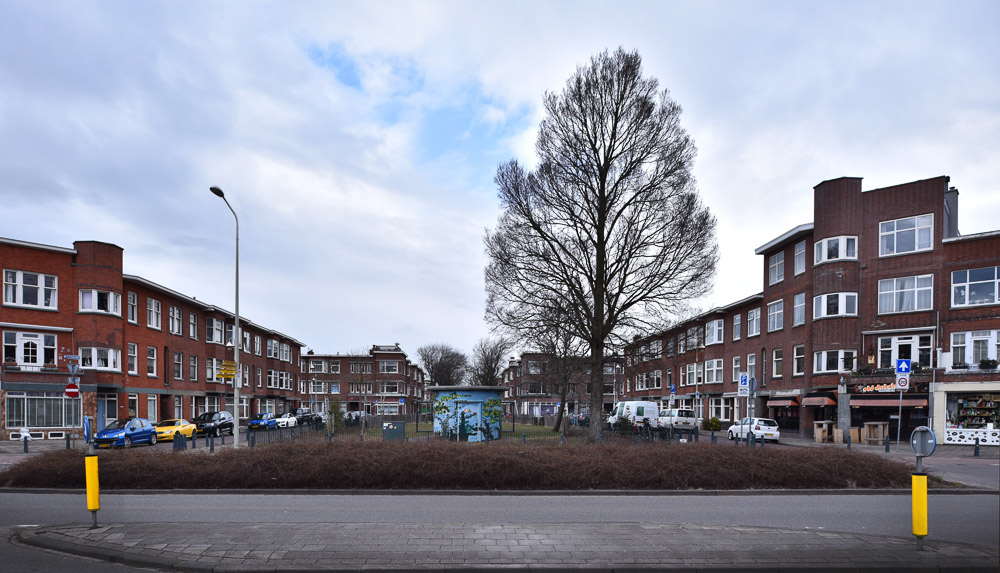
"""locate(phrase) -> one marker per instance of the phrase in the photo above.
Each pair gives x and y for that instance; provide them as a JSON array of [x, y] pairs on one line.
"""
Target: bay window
[[100, 358], [92, 300], [835, 304], [835, 249]]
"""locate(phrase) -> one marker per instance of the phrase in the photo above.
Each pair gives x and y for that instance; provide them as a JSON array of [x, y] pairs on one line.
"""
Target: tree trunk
[[596, 391], [560, 419]]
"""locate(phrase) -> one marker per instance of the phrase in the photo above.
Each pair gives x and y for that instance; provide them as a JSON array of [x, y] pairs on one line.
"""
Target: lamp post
[[237, 338]]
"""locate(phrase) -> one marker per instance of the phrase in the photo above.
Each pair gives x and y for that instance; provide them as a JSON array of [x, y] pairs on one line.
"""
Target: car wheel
[[128, 442], [217, 432], [152, 439], [731, 436]]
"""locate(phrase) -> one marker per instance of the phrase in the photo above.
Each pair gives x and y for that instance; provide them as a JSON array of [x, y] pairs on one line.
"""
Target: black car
[[214, 423], [305, 416]]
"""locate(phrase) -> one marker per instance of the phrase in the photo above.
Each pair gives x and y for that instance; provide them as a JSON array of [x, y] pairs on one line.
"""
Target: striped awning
[[783, 402], [818, 401]]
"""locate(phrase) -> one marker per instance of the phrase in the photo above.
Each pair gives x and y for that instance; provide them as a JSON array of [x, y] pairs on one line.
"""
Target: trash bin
[[394, 431]]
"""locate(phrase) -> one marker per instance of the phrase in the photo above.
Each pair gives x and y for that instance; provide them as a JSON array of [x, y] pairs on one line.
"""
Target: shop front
[[783, 407], [965, 411], [898, 413]]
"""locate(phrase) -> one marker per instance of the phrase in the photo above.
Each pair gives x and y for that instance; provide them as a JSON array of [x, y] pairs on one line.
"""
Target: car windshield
[[206, 417], [766, 422], [168, 423], [118, 424], [259, 416]]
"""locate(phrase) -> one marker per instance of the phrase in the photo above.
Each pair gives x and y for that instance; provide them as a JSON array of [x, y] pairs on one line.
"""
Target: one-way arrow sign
[[902, 366]]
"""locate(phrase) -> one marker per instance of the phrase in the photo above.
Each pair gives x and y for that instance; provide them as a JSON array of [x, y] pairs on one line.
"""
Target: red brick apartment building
[[144, 349], [879, 275], [382, 381], [533, 384]]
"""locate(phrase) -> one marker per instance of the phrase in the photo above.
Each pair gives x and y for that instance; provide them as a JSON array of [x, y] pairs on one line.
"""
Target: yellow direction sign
[[231, 364]]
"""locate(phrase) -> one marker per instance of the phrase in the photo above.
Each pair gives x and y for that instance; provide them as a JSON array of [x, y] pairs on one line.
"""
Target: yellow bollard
[[93, 488], [920, 505]]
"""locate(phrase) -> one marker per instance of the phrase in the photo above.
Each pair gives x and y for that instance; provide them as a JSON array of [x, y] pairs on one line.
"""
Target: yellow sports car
[[166, 429]]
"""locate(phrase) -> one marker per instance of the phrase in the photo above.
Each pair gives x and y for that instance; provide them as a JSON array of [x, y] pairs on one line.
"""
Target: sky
[[357, 141]]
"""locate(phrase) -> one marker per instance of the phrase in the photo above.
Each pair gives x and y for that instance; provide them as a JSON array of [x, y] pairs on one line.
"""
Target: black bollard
[[252, 440], [887, 444], [222, 435], [524, 439], [714, 441], [211, 444], [976, 452], [67, 441], [696, 434], [848, 441], [24, 440], [762, 441], [194, 440]]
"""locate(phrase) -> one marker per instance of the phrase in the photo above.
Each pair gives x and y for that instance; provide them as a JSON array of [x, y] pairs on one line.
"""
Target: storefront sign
[[877, 388]]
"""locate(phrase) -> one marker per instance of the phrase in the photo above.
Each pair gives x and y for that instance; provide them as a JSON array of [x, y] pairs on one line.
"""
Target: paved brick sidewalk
[[616, 547]]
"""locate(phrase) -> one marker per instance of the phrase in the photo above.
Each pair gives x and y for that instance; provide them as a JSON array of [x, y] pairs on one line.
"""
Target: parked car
[[304, 416], [755, 428], [126, 432], [215, 423], [635, 412], [263, 421], [166, 430], [286, 420], [678, 419]]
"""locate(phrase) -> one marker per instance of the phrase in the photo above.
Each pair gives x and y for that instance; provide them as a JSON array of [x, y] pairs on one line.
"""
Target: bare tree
[[488, 360], [567, 362], [609, 225], [445, 365]]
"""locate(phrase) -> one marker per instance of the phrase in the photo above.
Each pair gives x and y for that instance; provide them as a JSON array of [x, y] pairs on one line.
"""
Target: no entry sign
[[72, 390]]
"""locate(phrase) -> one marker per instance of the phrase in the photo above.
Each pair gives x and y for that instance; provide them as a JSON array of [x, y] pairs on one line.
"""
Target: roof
[[788, 236], [39, 246]]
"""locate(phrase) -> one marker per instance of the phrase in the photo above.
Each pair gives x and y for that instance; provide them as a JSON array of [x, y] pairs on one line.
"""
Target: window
[[178, 366], [985, 346], [681, 344], [736, 326], [179, 407], [193, 326], [670, 347], [229, 335], [655, 380], [213, 330], [151, 360], [361, 368], [915, 348], [317, 387], [776, 268], [44, 410], [317, 366], [212, 367], [907, 235], [246, 341], [272, 348], [975, 287], [133, 308], [833, 361], [176, 320], [29, 349], [259, 377], [22, 288], [92, 300], [100, 358], [193, 368], [736, 368], [153, 313], [776, 363], [752, 365], [389, 387], [286, 352], [334, 367], [713, 332], [836, 249], [656, 349], [151, 408], [133, 358], [775, 315], [719, 408], [799, 362], [753, 322], [713, 371], [799, 309], [800, 258], [388, 367], [835, 304], [905, 294], [693, 374], [335, 387]]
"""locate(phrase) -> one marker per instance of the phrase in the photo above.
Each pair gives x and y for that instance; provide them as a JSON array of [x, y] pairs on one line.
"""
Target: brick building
[[144, 350], [381, 381], [879, 276], [534, 381]]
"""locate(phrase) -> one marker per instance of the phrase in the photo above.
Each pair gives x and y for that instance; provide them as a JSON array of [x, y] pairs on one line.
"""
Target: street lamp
[[237, 337]]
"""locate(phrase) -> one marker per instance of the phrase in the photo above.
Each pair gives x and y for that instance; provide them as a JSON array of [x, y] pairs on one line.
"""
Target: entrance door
[[102, 420]]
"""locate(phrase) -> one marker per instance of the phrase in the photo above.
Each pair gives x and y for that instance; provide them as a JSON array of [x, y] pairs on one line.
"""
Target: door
[[101, 421]]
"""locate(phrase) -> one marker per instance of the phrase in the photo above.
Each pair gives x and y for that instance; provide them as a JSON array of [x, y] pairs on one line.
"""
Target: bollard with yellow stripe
[[923, 442], [93, 488]]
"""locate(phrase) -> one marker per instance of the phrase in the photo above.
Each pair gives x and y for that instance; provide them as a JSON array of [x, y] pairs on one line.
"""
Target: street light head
[[218, 192]]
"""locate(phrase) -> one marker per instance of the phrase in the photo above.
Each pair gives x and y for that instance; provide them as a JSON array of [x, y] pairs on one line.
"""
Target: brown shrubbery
[[435, 465]]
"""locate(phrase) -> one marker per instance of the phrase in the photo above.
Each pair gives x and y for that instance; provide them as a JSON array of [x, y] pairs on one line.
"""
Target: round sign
[[72, 390], [902, 382]]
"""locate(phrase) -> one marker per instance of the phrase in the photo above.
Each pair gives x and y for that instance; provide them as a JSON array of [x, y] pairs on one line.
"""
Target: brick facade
[[903, 240], [381, 381]]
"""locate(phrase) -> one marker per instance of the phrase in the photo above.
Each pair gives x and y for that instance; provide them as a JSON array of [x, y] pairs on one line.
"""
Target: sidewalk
[[211, 547]]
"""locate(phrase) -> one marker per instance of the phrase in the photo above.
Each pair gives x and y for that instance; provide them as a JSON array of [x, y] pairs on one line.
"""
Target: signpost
[[924, 442], [72, 388], [903, 384]]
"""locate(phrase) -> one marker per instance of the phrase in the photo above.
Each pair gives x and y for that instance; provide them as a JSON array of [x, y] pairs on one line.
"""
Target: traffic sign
[[229, 364], [673, 389], [902, 374], [903, 383], [744, 388], [72, 390], [923, 441], [903, 366], [753, 384]]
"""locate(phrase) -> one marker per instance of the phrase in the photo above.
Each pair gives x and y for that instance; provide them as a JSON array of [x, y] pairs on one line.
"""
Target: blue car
[[263, 421], [126, 432]]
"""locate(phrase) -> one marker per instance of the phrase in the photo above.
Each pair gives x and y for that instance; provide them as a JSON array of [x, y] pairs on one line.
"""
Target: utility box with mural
[[467, 413]]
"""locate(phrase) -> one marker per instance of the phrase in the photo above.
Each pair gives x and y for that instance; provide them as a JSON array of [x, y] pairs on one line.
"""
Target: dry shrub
[[437, 465]]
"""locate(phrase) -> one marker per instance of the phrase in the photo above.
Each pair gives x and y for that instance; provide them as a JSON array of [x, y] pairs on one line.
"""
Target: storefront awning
[[818, 401], [783, 402], [887, 402]]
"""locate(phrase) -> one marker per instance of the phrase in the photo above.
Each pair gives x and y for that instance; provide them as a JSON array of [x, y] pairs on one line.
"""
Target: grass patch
[[437, 465]]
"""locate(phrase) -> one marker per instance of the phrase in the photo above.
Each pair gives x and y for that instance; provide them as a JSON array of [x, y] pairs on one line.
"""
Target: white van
[[678, 419], [635, 411]]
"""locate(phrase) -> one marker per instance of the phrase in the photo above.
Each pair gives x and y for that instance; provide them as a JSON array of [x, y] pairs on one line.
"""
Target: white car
[[286, 420], [678, 419], [755, 428]]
